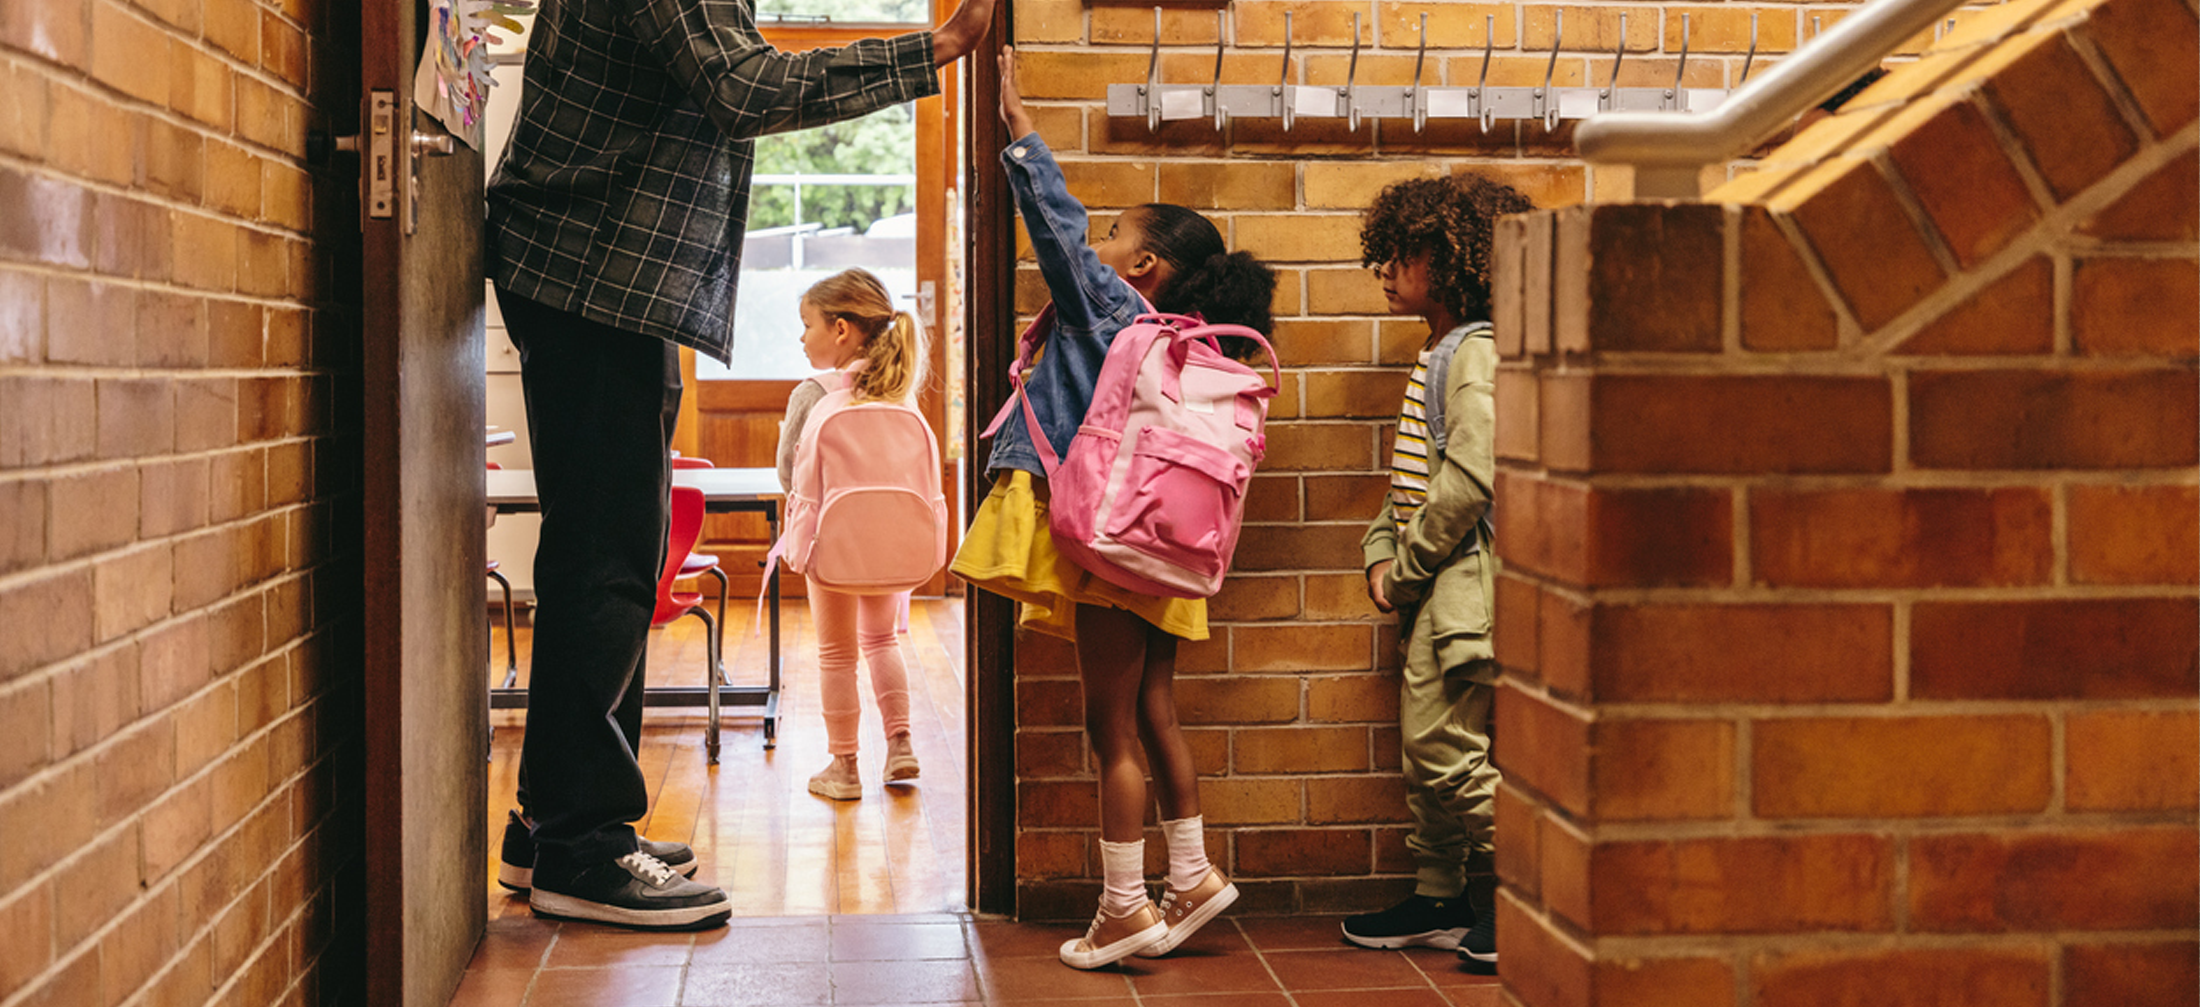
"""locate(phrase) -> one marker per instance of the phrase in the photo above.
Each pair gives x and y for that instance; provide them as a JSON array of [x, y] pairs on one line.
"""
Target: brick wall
[[1292, 706], [1849, 609], [170, 481]]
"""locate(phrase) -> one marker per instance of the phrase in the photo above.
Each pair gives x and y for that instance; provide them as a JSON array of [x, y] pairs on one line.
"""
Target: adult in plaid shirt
[[615, 227]]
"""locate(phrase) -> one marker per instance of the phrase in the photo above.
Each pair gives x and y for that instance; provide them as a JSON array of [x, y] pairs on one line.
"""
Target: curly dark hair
[[1450, 220]]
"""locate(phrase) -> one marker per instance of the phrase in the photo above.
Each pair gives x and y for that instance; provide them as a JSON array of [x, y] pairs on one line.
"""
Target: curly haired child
[[1426, 553]]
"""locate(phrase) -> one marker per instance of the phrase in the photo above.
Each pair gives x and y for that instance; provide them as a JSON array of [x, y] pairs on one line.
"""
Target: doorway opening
[[879, 194]]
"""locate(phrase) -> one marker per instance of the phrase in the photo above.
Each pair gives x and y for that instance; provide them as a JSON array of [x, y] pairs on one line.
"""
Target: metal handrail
[[1669, 151]]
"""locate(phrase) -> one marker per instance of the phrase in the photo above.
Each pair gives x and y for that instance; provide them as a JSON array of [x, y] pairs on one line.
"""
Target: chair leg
[[712, 672], [511, 637], [725, 587], [511, 663]]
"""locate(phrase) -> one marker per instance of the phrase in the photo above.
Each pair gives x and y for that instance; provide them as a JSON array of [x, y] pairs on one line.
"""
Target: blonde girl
[[849, 324]]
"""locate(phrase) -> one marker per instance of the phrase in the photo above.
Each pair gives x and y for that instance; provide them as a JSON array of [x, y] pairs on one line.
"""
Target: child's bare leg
[[1111, 660], [1167, 753]]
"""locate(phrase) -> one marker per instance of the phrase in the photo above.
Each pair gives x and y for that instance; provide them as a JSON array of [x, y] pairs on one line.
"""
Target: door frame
[[989, 627]]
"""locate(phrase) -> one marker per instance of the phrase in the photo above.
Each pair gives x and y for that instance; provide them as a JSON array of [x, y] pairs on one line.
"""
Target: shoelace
[[650, 868]]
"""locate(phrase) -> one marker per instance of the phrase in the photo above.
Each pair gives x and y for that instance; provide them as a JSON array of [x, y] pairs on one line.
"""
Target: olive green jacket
[[1443, 558]]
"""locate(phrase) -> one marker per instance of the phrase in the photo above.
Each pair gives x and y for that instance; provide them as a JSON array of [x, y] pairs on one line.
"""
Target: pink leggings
[[847, 623]]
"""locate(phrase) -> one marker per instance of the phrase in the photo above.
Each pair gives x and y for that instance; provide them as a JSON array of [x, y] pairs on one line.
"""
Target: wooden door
[[426, 648]]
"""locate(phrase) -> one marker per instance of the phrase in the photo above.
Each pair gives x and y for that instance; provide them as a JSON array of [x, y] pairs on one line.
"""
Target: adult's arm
[[750, 89]]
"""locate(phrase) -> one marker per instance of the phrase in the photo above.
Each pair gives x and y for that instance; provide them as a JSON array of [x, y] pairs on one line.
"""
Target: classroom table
[[512, 491]]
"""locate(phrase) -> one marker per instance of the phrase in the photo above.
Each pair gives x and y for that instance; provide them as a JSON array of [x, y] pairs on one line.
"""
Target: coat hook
[[1153, 77], [1558, 37], [1814, 29], [1214, 90], [1681, 69], [1283, 78], [1481, 103], [1752, 57], [1413, 97], [1619, 52], [1351, 74]]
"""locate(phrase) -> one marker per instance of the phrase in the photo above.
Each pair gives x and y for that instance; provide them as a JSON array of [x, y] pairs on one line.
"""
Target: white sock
[[1123, 868], [1187, 838]]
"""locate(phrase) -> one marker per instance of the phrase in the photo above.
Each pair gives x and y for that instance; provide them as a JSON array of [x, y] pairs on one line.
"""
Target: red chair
[[687, 526], [698, 564]]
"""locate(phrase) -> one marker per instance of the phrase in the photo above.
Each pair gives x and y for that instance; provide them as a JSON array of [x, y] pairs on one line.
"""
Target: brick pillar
[[1849, 529]]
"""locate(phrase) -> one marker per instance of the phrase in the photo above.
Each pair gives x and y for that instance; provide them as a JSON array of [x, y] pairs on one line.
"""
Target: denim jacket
[[1091, 305]]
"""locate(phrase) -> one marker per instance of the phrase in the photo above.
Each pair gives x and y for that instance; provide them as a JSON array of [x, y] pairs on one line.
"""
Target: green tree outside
[[883, 143]]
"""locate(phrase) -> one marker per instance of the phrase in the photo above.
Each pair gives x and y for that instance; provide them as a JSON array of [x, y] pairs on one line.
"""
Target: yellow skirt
[[1009, 552]]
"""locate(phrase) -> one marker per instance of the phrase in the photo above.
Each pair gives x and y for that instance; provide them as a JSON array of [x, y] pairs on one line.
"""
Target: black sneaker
[[1478, 949], [636, 890], [1418, 922], [516, 864]]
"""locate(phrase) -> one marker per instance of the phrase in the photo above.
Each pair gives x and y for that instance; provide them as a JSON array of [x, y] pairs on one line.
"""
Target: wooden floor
[[760, 834]]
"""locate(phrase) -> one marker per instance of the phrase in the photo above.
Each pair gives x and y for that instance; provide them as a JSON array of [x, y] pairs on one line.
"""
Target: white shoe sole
[[1486, 959], [837, 791], [520, 879], [1183, 931], [680, 918], [901, 770], [1447, 940], [1112, 953]]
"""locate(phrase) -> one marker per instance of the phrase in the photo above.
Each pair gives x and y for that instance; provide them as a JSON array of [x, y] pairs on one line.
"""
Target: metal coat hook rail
[[1157, 102]]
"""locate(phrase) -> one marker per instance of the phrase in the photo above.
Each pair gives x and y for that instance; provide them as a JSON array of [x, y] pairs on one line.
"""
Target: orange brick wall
[[1849, 518], [171, 482], [1292, 705]]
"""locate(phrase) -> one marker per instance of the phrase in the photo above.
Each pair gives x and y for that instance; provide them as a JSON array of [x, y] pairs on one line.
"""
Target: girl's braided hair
[[1450, 220]]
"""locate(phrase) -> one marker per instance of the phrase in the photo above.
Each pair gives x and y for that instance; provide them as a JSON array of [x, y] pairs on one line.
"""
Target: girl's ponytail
[[895, 361]]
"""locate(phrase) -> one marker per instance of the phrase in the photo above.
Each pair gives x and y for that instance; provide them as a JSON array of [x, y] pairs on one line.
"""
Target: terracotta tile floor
[[946, 958], [861, 903]]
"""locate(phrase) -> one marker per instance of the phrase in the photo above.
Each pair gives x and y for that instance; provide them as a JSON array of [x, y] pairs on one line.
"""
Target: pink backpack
[[865, 514], [1152, 492]]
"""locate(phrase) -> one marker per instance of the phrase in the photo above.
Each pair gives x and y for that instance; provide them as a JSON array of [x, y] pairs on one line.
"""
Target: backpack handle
[[1199, 329]]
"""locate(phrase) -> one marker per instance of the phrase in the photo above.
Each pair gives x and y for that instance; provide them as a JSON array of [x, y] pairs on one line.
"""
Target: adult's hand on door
[[960, 34]]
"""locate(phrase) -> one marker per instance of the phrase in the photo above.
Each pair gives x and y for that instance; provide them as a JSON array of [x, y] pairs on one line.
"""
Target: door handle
[[424, 143]]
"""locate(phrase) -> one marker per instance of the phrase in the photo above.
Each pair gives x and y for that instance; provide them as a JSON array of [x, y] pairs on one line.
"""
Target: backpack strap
[[1027, 351], [1439, 380]]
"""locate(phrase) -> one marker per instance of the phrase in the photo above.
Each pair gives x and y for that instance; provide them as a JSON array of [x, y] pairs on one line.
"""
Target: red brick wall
[[170, 481], [1849, 615], [1292, 706]]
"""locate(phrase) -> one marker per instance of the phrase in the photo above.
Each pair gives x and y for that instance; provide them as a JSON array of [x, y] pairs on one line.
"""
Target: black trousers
[[601, 406]]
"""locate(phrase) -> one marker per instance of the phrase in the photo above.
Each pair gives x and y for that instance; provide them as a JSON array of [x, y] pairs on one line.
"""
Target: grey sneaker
[[636, 890], [516, 862]]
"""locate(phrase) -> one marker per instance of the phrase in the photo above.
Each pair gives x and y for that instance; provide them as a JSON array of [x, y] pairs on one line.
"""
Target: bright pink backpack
[[865, 514], [1152, 492]]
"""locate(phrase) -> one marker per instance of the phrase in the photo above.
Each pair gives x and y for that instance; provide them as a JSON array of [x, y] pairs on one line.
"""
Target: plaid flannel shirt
[[624, 192]]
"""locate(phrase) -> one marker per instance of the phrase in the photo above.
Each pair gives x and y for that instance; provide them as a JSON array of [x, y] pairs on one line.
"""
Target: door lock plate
[[382, 155]]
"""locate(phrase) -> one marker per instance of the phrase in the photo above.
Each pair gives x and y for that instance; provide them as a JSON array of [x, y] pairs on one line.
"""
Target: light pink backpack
[[865, 514], [1152, 492]]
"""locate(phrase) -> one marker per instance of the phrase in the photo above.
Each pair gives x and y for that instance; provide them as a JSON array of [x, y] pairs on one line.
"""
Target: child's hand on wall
[[1012, 103]]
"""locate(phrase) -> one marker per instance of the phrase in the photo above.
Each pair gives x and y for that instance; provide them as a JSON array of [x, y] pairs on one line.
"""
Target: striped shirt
[[1409, 462]]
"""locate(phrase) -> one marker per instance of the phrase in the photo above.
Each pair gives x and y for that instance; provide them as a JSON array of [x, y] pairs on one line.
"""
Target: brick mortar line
[[115, 98], [1921, 222], [52, 271], [2032, 825], [177, 33], [51, 170], [93, 372], [1623, 711], [1902, 480], [1630, 596], [1837, 364], [2045, 238], [134, 637], [1744, 946], [88, 564], [2079, 36]]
